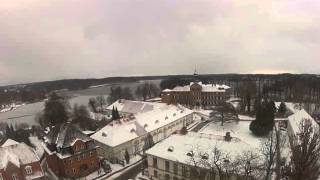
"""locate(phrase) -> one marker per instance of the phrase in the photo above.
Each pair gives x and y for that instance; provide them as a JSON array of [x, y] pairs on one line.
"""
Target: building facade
[[171, 159], [69, 153], [19, 161], [196, 94], [147, 124]]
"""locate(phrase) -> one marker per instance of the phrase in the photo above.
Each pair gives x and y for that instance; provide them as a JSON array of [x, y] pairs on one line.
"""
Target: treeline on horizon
[[271, 83]]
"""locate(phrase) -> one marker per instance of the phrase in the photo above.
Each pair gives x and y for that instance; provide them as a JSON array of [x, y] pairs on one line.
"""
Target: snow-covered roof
[[17, 154], [300, 117], [37, 143], [63, 135], [116, 134], [9, 142], [181, 145], [238, 129], [134, 107], [205, 88], [156, 116], [292, 107]]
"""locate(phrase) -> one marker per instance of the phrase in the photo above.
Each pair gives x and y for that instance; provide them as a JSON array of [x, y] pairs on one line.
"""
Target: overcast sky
[[56, 39]]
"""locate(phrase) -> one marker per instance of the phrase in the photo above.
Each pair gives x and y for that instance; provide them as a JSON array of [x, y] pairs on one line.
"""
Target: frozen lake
[[27, 113]]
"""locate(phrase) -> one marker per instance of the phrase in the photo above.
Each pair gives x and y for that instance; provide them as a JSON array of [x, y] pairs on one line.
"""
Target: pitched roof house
[[19, 161], [69, 152]]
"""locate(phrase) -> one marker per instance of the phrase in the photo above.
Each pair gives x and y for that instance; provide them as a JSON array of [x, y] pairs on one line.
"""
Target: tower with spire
[[196, 75]]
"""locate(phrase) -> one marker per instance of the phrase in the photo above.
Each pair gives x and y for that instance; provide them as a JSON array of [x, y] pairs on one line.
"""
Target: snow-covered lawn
[[237, 129]]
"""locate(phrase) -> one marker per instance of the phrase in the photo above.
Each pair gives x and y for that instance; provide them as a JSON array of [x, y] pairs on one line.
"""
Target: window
[[73, 170], [167, 165], [155, 173], [91, 153], [79, 158], [175, 168], [184, 171], [83, 155], [167, 177], [14, 177], [155, 163], [28, 169], [1, 177]]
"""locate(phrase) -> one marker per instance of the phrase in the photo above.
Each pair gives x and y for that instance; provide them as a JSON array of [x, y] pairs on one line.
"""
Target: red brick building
[[70, 153], [19, 162], [196, 94]]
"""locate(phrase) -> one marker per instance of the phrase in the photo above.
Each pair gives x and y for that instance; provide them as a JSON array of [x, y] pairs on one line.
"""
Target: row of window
[[13, 177], [28, 170], [75, 170], [78, 158], [166, 176], [184, 169]]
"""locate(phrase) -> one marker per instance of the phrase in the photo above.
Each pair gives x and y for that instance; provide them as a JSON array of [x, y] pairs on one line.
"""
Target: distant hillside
[[36, 91]]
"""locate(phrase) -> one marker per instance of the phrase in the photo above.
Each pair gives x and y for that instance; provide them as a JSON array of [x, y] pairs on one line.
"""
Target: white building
[[171, 159], [145, 123]]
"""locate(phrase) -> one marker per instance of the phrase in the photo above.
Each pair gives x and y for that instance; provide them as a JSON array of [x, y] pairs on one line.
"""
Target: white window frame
[[28, 170], [14, 177]]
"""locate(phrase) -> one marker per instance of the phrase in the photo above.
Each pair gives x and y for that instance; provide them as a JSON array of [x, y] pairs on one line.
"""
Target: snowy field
[[237, 129]]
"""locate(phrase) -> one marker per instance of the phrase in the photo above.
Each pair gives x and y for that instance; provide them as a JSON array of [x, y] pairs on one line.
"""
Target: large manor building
[[196, 94]]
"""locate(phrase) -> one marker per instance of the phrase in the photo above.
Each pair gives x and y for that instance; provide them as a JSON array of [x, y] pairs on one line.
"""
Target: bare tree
[[220, 165], [305, 160], [101, 101], [248, 91], [269, 152], [224, 113], [147, 90]]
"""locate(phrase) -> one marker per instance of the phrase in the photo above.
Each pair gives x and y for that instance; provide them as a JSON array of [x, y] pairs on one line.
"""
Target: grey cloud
[[54, 39]]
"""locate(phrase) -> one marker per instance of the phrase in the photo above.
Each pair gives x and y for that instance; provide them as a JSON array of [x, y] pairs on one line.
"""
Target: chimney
[[228, 137]]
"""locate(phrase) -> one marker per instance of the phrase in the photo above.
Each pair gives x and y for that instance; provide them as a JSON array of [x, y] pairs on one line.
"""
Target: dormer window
[[132, 130], [190, 154], [104, 134], [156, 122], [145, 126], [205, 156], [166, 118], [174, 114], [28, 170], [170, 149]]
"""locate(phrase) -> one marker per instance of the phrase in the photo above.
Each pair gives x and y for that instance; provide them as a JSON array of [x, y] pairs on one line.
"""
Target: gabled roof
[[142, 122], [17, 154], [9, 142], [64, 135], [134, 107]]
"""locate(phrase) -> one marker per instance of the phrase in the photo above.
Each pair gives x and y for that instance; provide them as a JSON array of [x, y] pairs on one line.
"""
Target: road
[[130, 173]]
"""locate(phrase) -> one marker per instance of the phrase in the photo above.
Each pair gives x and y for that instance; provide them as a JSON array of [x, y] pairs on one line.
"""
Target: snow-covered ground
[[245, 118], [10, 107], [118, 169], [237, 129]]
